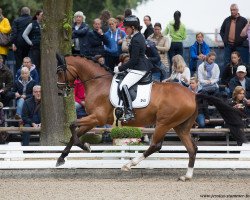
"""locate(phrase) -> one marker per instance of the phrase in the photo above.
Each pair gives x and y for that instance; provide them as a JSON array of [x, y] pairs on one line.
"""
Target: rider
[[137, 66]]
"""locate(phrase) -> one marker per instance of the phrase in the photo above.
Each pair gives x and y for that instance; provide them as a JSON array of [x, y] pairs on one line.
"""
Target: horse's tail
[[231, 116]]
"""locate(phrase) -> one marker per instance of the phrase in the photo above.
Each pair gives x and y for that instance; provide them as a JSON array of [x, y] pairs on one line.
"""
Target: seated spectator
[[23, 90], [162, 45], [203, 115], [198, 53], [154, 57], [180, 71], [80, 32], [97, 39], [33, 72], [79, 93], [238, 100], [114, 49], [3, 135], [208, 74], [240, 80], [100, 59], [31, 114], [6, 82], [231, 68], [1, 115], [124, 57]]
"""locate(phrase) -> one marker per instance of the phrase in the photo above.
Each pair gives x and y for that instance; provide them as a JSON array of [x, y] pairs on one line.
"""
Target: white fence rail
[[15, 156]]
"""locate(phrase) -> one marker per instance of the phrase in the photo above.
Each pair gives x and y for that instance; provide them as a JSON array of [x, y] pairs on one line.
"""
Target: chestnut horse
[[171, 106]]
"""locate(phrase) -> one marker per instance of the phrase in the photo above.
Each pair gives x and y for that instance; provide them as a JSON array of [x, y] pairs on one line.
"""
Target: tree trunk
[[57, 112]]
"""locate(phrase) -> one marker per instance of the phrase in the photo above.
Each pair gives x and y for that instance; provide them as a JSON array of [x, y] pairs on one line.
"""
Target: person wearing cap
[[240, 80], [138, 65], [6, 82], [80, 32]]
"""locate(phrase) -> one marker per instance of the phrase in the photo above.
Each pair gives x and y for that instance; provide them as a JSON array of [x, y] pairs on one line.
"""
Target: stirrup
[[127, 117]]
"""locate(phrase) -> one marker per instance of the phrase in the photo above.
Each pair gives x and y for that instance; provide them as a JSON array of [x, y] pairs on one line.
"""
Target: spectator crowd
[[106, 40]]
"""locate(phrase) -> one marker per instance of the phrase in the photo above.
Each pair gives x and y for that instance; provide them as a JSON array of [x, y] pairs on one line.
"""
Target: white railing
[[15, 156]]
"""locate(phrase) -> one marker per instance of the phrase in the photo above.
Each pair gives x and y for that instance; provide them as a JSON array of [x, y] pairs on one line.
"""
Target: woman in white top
[[180, 71], [209, 73]]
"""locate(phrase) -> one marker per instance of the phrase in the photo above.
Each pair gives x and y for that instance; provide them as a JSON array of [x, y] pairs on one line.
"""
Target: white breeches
[[132, 78]]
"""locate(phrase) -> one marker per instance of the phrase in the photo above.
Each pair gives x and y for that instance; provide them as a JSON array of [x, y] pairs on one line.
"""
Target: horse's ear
[[60, 59]]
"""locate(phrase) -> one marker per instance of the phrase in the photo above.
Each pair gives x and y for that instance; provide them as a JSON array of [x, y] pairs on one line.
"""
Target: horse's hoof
[[87, 147], [184, 178], [60, 161], [125, 168]]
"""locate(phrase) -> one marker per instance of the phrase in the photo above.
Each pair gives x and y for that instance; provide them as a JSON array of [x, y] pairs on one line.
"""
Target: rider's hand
[[116, 70]]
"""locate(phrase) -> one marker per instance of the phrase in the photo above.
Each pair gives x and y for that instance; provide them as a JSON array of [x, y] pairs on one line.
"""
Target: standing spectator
[[203, 115], [231, 68], [114, 49], [32, 36], [19, 46], [149, 28], [80, 34], [79, 93], [180, 71], [105, 16], [33, 72], [230, 32], [208, 74], [246, 32], [120, 19], [4, 28], [127, 12], [31, 114], [97, 39], [162, 45], [240, 80], [198, 53], [23, 90], [6, 82], [177, 32]]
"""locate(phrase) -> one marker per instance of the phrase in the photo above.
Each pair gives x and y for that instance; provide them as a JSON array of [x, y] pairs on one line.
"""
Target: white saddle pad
[[142, 98]]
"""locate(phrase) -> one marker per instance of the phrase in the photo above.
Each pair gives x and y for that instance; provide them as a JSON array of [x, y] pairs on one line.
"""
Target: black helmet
[[132, 20]]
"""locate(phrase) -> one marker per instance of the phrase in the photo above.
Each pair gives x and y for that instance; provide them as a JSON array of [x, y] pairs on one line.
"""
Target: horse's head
[[65, 76]]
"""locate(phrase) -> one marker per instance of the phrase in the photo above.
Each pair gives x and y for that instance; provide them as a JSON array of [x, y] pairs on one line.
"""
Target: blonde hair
[[178, 64], [237, 90], [194, 79], [25, 69], [112, 20]]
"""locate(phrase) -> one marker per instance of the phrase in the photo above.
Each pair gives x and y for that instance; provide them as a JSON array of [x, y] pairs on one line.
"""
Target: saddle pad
[[142, 98]]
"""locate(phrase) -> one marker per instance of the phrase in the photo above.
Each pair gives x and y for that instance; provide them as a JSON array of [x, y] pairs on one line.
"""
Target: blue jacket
[[194, 53], [113, 48], [31, 114]]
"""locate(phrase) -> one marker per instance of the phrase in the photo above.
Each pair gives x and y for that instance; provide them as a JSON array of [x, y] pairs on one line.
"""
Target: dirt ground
[[138, 185]]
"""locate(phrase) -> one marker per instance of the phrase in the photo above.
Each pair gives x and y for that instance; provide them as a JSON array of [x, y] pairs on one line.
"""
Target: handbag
[[4, 39], [168, 36]]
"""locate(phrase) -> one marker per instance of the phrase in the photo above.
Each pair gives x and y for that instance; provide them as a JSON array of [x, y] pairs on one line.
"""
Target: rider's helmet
[[132, 20]]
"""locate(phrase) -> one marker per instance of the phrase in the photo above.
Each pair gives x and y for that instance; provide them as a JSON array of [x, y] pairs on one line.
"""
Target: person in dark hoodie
[[19, 46]]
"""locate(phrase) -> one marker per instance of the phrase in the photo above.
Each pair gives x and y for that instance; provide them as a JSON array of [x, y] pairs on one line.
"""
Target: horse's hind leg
[[183, 131], [155, 145]]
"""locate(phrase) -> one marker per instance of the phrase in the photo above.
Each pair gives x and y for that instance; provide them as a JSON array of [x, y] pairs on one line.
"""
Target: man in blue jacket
[[198, 52]]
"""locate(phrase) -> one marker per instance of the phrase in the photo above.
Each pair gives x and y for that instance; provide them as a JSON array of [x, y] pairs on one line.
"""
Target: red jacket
[[79, 91]]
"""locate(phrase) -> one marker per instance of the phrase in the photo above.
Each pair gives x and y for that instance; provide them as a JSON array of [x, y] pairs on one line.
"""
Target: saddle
[[140, 92]]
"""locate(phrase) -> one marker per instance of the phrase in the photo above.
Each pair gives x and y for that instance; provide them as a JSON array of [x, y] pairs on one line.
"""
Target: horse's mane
[[93, 59]]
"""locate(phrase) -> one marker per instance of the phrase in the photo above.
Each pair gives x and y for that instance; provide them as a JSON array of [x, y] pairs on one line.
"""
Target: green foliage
[[91, 138], [11, 9], [126, 132]]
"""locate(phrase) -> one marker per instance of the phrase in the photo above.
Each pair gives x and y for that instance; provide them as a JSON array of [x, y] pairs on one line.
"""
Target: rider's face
[[128, 30]]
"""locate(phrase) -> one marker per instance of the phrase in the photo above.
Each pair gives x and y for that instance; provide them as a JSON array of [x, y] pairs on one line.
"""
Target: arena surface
[[139, 184]]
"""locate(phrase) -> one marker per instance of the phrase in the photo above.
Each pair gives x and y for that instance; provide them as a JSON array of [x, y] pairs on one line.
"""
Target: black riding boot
[[127, 102]]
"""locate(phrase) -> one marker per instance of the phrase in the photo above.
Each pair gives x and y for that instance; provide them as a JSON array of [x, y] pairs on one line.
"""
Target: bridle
[[66, 86]]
